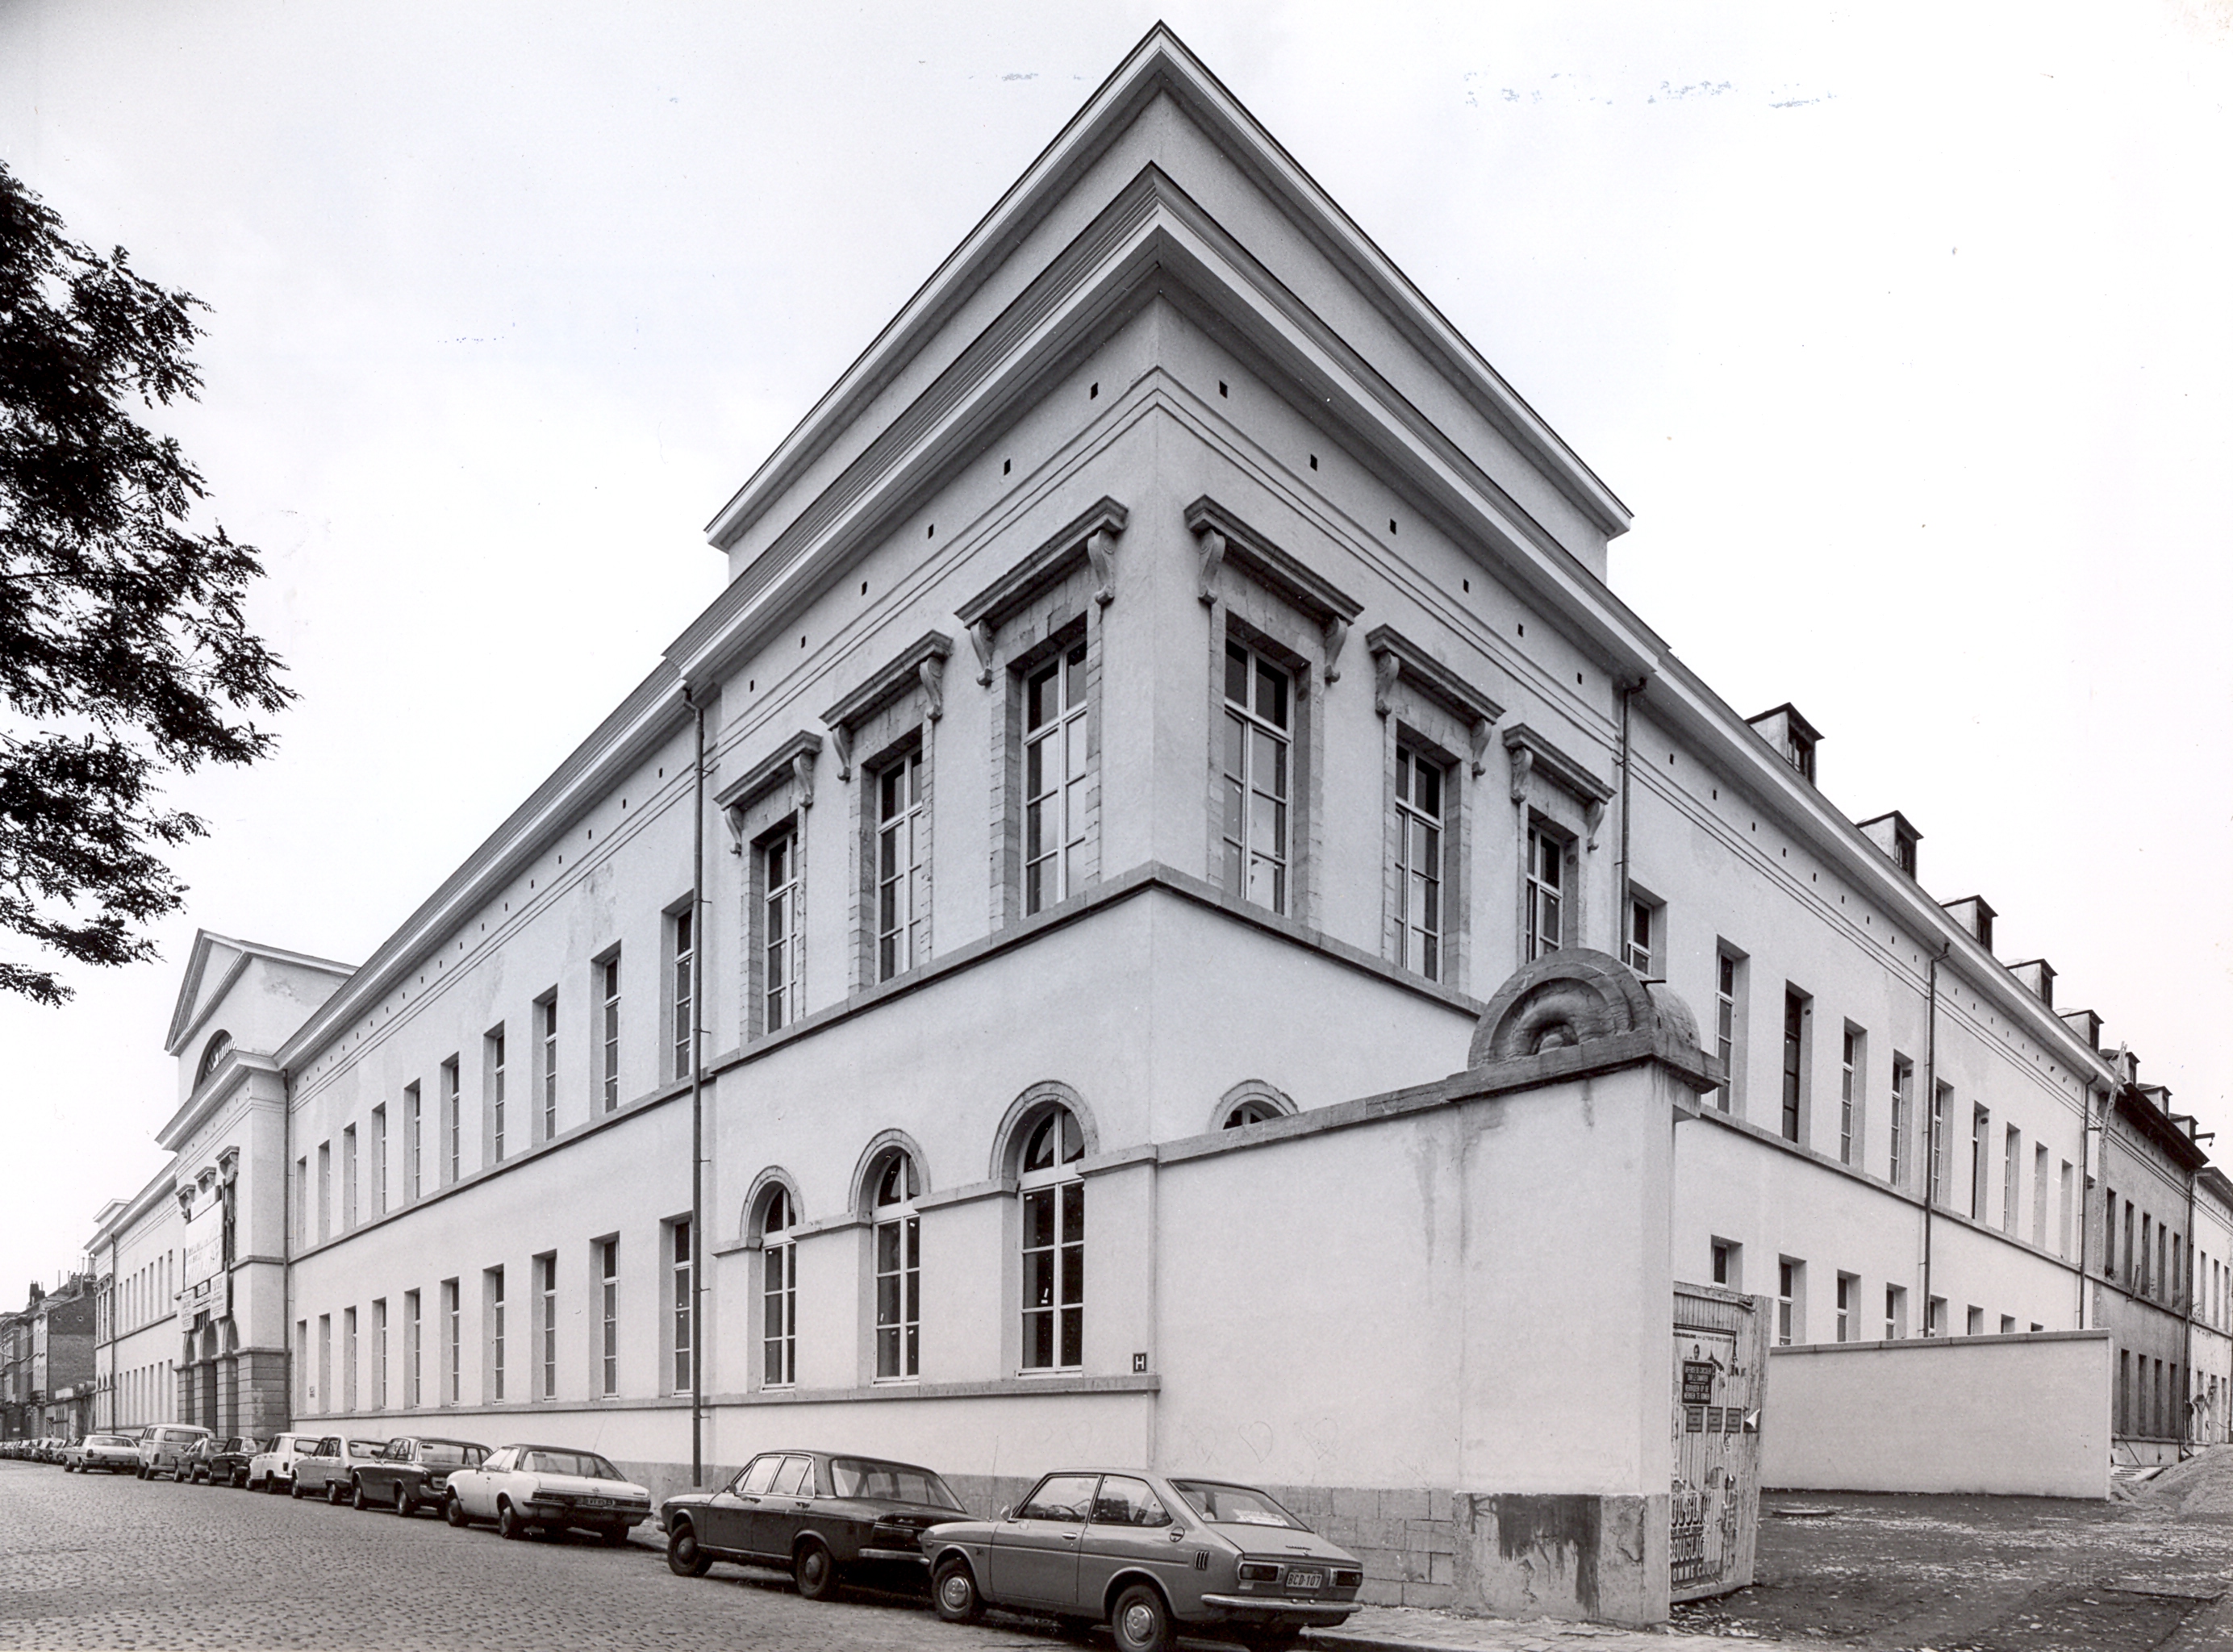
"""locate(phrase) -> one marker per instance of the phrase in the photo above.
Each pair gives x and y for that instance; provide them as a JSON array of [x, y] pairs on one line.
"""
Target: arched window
[[215, 1051], [1053, 1242], [897, 1248], [1250, 1101], [778, 1289]]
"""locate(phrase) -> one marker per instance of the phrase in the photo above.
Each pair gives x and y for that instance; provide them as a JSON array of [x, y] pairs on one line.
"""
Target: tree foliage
[[124, 652]]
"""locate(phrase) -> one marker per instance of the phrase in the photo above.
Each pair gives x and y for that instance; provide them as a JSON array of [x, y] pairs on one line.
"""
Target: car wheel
[[508, 1523], [953, 1592], [239, 1479], [1141, 1623], [454, 1512], [358, 1500], [615, 1536], [333, 1493], [684, 1558], [815, 1570], [140, 1473], [405, 1505], [294, 1489]]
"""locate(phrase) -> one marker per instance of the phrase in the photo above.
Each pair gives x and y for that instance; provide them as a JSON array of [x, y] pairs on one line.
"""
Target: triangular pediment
[[216, 968]]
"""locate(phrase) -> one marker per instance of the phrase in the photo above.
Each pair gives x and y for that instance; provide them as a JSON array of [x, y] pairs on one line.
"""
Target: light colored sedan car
[[117, 1453], [547, 1489], [1149, 1555], [329, 1468]]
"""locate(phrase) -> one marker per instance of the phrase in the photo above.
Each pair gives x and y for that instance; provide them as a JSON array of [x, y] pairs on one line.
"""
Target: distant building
[[1192, 690]]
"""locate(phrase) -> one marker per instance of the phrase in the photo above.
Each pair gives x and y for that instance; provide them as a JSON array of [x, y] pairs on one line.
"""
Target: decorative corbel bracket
[[932, 672], [1337, 633], [1396, 657], [802, 775], [1523, 759], [793, 761], [980, 639], [1386, 668], [1213, 557], [1483, 728], [840, 743], [1594, 814], [1101, 552]]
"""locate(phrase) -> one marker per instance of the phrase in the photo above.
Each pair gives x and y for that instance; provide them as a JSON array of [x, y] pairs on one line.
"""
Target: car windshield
[[1225, 1505], [366, 1447], [444, 1454], [892, 1482], [583, 1465]]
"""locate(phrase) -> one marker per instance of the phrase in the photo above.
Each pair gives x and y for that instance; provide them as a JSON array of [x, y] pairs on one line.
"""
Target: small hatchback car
[[1147, 1554]]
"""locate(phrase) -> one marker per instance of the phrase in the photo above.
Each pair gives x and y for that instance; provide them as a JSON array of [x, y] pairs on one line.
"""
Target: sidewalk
[[1412, 1629]]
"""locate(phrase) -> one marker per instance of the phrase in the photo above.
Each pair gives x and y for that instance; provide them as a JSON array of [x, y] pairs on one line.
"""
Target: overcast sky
[[1902, 329]]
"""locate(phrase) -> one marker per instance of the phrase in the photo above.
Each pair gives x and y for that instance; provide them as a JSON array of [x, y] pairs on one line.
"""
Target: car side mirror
[[1004, 1512]]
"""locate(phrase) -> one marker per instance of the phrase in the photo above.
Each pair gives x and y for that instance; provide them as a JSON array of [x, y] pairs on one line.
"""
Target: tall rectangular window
[[1546, 884], [1794, 1063], [1939, 1104], [1419, 792], [1903, 1128], [546, 1015], [1728, 1263], [493, 1050], [778, 1304], [2109, 1234], [349, 1359], [325, 1364], [2011, 1174], [492, 1287], [1849, 1290], [325, 1191], [1641, 939], [546, 1296], [452, 1129], [1894, 1312], [781, 939], [1054, 1275], [412, 1132], [1727, 1023], [902, 873], [379, 1353], [1054, 779], [2136, 1257], [1980, 1131], [453, 1346], [609, 1031], [898, 1240], [1258, 778], [682, 952], [379, 1161], [349, 1179], [1790, 1309], [608, 1316], [681, 1305], [1851, 1088], [413, 1347]]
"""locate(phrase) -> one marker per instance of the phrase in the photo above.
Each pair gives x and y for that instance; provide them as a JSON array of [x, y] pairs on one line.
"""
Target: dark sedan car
[[1147, 1554], [224, 1462], [821, 1516], [413, 1472]]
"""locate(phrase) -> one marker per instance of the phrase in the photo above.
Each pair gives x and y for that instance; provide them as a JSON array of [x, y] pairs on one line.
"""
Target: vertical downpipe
[[1930, 1100], [698, 941]]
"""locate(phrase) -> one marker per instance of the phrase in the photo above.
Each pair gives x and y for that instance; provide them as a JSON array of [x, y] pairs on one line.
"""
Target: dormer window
[[1791, 735], [1894, 835]]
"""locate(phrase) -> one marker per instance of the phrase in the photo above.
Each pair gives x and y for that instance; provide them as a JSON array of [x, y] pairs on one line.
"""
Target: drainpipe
[[698, 941], [1930, 1150], [1621, 915]]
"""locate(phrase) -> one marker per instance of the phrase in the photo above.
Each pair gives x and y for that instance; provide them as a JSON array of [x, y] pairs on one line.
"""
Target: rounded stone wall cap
[[1575, 997]]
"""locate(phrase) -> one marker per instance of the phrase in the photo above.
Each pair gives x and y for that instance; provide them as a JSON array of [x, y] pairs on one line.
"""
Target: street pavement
[[95, 1561]]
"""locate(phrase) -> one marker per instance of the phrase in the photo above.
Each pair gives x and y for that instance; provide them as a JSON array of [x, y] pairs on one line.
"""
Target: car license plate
[[597, 1502], [1307, 1580]]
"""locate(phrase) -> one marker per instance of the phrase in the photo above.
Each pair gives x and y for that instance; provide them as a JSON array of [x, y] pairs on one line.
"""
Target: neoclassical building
[[997, 992]]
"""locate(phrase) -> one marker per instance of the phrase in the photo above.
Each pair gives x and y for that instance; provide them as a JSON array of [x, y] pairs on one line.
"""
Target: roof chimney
[[1896, 836], [2037, 975], [1793, 738], [1975, 915]]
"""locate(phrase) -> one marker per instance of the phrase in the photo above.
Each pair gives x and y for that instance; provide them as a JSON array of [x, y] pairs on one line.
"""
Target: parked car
[[326, 1470], [412, 1472], [1147, 1554], [224, 1462], [547, 1488], [824, 1518], [114, 1454], [165, 1448], [273, 1469]]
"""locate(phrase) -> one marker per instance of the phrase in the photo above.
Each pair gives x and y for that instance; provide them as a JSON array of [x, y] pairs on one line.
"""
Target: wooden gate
[[1720, 1383]]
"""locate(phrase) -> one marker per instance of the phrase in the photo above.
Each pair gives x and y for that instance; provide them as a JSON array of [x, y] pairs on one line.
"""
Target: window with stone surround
[[895, 1250], [1056, 774], [1053, 1198], [773, 1225], [900, 863], [765, 809]]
